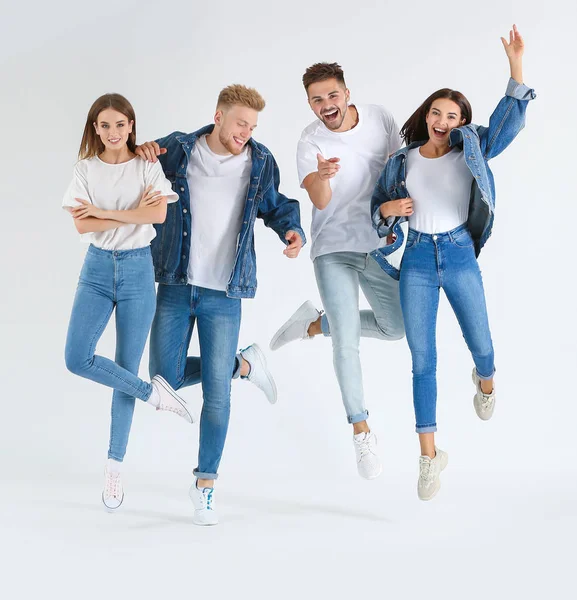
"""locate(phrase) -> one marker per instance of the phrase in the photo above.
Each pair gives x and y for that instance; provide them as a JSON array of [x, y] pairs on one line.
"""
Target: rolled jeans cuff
[[237, 366], [363, 416], [483, 377], [325, 326], [199, 475], [426, 428]]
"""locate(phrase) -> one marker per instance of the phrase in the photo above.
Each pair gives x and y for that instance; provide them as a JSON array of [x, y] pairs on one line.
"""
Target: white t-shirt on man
[[218, 186], [117, 187], [345, 224], [440, 189]]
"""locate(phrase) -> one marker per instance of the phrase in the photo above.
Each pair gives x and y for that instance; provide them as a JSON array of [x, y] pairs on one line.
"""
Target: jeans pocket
[[411, 240], [463, 239]]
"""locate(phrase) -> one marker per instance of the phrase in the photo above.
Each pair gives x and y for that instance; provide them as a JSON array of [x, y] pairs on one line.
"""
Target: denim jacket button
[[184, 210], [181, 189], [402, 184], [184, 233]]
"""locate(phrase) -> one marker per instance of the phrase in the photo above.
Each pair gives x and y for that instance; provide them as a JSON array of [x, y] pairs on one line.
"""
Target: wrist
[[385, 211]]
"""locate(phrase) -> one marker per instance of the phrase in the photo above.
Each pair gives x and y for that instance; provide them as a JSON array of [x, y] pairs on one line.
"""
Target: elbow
[[160, 216], [80, 225]]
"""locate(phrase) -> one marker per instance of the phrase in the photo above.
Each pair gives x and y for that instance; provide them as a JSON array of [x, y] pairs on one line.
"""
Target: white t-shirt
[[218, 188], [440, 189], [117, 187], [345, 224]]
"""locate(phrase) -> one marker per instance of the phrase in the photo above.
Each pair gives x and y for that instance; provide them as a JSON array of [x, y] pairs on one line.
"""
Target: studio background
[[296, 518]]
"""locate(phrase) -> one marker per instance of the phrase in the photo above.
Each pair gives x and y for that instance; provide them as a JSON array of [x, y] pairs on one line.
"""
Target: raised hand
[[515, 46], [149, 151], [327, 169]]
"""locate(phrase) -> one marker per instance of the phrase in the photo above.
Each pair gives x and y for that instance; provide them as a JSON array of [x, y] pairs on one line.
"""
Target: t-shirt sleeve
[[78, 188], [395, 139], [307, 161], [155, 177]]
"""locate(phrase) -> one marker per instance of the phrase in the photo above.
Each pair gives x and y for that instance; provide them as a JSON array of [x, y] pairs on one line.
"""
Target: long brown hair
[[91, 144], [415, 129]]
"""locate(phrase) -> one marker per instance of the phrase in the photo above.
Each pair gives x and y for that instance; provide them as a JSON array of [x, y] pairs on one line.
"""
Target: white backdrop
[[294, 511]]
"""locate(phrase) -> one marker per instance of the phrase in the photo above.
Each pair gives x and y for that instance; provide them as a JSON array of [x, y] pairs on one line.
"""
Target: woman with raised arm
[[436, 197]]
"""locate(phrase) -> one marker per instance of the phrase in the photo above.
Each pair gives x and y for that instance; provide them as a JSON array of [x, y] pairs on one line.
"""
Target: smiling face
[[329, 101], [113, 128], [443, 116], [234, 126]]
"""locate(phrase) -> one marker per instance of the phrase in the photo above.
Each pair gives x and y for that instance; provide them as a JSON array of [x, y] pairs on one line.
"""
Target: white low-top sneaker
[[429, 474], [296, 328], [204, 509], [259, 373], [484, 403], [368, 463], [113, 494], [169, 400]]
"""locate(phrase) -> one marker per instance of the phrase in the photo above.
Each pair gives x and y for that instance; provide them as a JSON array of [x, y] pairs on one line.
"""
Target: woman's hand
[[515, 49], [397, 208], [87, 209], [150, 197]]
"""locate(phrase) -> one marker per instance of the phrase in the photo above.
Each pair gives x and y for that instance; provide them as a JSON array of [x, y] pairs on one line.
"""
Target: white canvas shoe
[[204, 509], [368, 463], [259, 373], [296, 328], [484, 403], [429, 474], [169, 400], [113, 494]]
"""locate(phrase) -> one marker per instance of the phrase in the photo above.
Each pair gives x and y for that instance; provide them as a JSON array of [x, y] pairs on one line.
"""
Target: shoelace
[[487, 400], [364, 447], [426, 471], [113, 487]]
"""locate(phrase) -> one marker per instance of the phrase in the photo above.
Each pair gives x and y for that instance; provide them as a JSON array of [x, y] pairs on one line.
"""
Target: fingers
[[82, 201], [150, 150]]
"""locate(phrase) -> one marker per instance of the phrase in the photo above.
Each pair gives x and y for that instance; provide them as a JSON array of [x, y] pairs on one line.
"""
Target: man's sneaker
[[203, 501], [429, 474], [368, 463], [259, 373], [484, 403], [296, 328], [113, 494], [170, 400]]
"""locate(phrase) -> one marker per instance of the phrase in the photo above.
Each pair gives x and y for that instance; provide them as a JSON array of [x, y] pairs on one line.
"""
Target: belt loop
[[418, 237]]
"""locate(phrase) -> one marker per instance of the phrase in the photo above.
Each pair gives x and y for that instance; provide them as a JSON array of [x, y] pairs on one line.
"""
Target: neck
[[115, 157], [433, 151], [214, 143], [351, 119]]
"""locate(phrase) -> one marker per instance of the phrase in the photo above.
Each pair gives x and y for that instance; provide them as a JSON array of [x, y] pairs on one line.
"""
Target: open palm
[[515, 46]]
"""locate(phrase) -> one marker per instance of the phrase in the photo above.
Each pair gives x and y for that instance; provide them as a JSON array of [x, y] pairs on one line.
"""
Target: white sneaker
[[203, 501], [113, 494], [368, 463], [259, 373], [169, 400], [296, 328], [484, 403], [429, 472]]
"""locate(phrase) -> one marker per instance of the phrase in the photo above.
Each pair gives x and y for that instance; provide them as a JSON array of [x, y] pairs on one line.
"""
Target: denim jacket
[[171, 247], [479, 144]]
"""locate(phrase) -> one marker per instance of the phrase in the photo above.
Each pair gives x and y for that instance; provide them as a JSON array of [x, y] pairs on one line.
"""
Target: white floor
[[484, 536]]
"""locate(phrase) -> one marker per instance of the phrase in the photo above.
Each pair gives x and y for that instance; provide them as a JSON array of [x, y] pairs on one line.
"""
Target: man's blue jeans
[[178, 308]]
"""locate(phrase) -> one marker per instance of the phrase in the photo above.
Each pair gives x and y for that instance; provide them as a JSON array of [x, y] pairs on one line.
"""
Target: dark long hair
[[91, 144], [415, 129]]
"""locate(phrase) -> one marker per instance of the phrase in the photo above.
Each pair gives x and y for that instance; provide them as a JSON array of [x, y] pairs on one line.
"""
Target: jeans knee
[[424, 363], [75, 363]]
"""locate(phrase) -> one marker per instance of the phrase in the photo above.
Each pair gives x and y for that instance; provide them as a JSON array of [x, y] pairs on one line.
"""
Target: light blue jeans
[[431, 262], [179, 308], [121, 280], [339, 275]]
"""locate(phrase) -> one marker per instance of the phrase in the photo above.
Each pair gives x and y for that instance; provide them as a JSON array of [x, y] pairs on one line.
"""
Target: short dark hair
[[322, 72]]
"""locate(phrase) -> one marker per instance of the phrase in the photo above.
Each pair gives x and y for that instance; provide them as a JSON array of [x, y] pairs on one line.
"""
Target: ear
[[347, 94], [130, 126], [218, 117], [95, 127]]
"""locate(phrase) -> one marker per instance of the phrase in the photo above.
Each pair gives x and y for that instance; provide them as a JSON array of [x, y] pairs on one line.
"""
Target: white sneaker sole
[[266, 371], [110, 509], [161, 381], [303, 311]]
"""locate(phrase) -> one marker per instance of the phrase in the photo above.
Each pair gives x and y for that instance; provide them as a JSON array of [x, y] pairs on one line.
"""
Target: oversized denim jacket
[[479, 144], [171, 246]]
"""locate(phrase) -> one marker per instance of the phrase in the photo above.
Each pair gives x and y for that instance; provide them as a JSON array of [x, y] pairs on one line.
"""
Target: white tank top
[[440, 189]]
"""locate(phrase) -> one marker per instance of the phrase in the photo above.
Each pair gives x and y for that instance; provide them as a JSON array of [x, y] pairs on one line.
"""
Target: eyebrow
[[439, 110], [106, 122], [333, 92]]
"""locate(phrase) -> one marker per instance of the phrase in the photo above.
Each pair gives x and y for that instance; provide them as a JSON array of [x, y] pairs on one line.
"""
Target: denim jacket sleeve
[[506, 121], [383, 226], [276, 210], [169, 159]]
